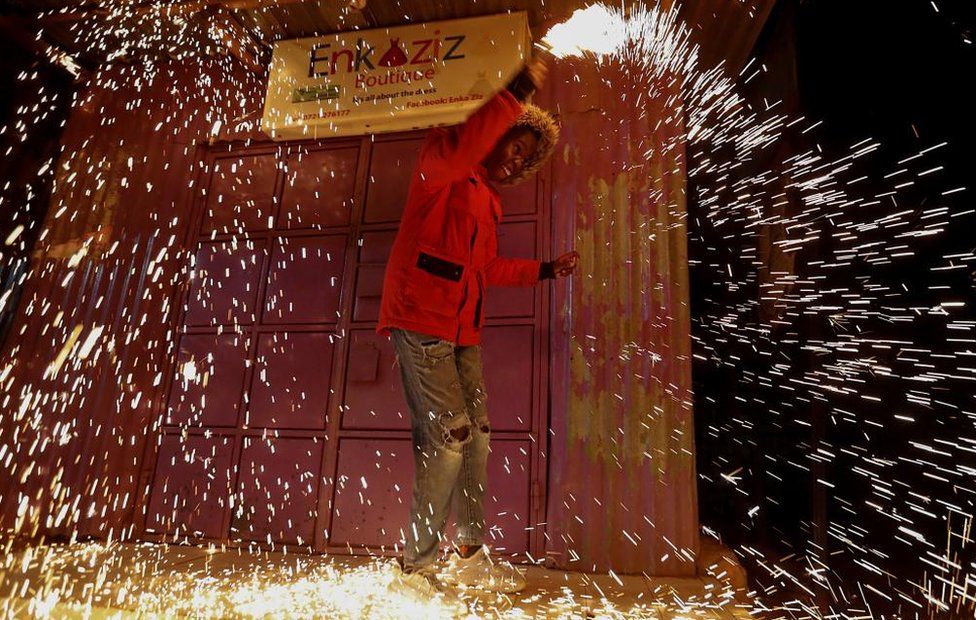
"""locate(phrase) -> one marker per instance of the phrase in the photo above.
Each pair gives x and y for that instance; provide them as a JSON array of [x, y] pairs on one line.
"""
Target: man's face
[[510, 154]]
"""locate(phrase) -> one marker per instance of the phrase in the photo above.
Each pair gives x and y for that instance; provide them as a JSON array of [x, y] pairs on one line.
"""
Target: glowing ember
[[158, 579], [597, 29]]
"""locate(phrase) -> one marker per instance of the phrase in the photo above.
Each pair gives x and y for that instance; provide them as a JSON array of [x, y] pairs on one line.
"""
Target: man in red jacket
[[443, 259]]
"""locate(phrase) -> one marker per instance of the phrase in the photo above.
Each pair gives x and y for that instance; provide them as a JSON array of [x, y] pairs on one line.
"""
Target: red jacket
[[445, 253]]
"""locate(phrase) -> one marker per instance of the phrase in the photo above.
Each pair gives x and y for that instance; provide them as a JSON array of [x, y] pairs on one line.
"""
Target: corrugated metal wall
[[622, 488], [83, 367]]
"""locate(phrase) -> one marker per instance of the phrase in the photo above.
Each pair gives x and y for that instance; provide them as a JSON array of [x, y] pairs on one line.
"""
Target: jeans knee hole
[[455, 429], [461, 433]]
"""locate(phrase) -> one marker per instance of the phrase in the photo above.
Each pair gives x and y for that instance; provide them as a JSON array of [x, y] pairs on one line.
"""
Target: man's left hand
[[565, 264]]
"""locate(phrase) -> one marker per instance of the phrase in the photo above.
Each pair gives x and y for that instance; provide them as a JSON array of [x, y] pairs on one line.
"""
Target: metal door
[[285, 422]]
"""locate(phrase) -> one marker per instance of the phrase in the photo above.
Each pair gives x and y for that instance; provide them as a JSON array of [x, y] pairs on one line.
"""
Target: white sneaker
[[426, 587], [481, 572]]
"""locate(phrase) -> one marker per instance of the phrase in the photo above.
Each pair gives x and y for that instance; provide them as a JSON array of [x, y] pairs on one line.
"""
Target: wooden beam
[[184, 7], [339, 15], [369, 18], [235, 37]]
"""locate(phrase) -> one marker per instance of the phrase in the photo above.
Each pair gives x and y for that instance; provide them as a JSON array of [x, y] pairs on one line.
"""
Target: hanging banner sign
[[391, 79]]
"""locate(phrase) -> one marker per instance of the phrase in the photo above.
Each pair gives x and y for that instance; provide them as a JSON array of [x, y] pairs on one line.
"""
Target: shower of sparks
[[596, 29], [150, 580], [878, 332], [892, 355]]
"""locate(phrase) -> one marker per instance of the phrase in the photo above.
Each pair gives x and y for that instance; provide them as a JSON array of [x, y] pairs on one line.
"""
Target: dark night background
[[900, 72], [26, 81]]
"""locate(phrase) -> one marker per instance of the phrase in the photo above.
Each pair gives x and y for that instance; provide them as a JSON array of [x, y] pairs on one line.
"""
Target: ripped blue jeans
[[445, 392]]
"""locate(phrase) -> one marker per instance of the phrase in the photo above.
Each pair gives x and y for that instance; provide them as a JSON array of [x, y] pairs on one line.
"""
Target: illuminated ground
[[148, 580]]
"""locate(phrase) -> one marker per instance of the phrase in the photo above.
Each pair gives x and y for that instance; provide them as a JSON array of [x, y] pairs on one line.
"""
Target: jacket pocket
[[439, 267], [434, 283]]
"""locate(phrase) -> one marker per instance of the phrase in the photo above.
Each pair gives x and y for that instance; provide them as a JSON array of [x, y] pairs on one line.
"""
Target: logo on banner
[[325, 60], [394, 57]]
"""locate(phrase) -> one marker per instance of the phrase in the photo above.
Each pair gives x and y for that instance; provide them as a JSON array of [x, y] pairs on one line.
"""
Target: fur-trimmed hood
[[544, 126]]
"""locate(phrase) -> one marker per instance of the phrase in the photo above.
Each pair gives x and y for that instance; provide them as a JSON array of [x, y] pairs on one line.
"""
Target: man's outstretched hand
[[529, 79], [565, 264]]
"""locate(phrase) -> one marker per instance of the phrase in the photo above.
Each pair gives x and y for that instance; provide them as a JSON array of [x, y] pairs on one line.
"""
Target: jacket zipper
[[464, 297], [477, 305]]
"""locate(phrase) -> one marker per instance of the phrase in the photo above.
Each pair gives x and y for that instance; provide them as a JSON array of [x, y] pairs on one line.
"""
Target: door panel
[[372, 495], [376, 246], [507, 499], [305, 280], [208, 380], [242, 193], [292, 374], [374, 395], [224, 283], [191, 485], [374, 251], [390, 170], [519, 199], [507, 355], [277, 488], [319, 188], [369, 292], [515, 240]]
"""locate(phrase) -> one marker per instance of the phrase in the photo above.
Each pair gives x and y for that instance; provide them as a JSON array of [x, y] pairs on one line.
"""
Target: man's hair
[[546, 129]]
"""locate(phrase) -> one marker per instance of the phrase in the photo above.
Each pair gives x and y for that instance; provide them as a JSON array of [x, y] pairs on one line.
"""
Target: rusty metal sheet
[[622, 488], [76, 465]]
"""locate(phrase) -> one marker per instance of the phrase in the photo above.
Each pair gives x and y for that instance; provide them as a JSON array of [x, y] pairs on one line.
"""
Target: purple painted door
[[285, 422]]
